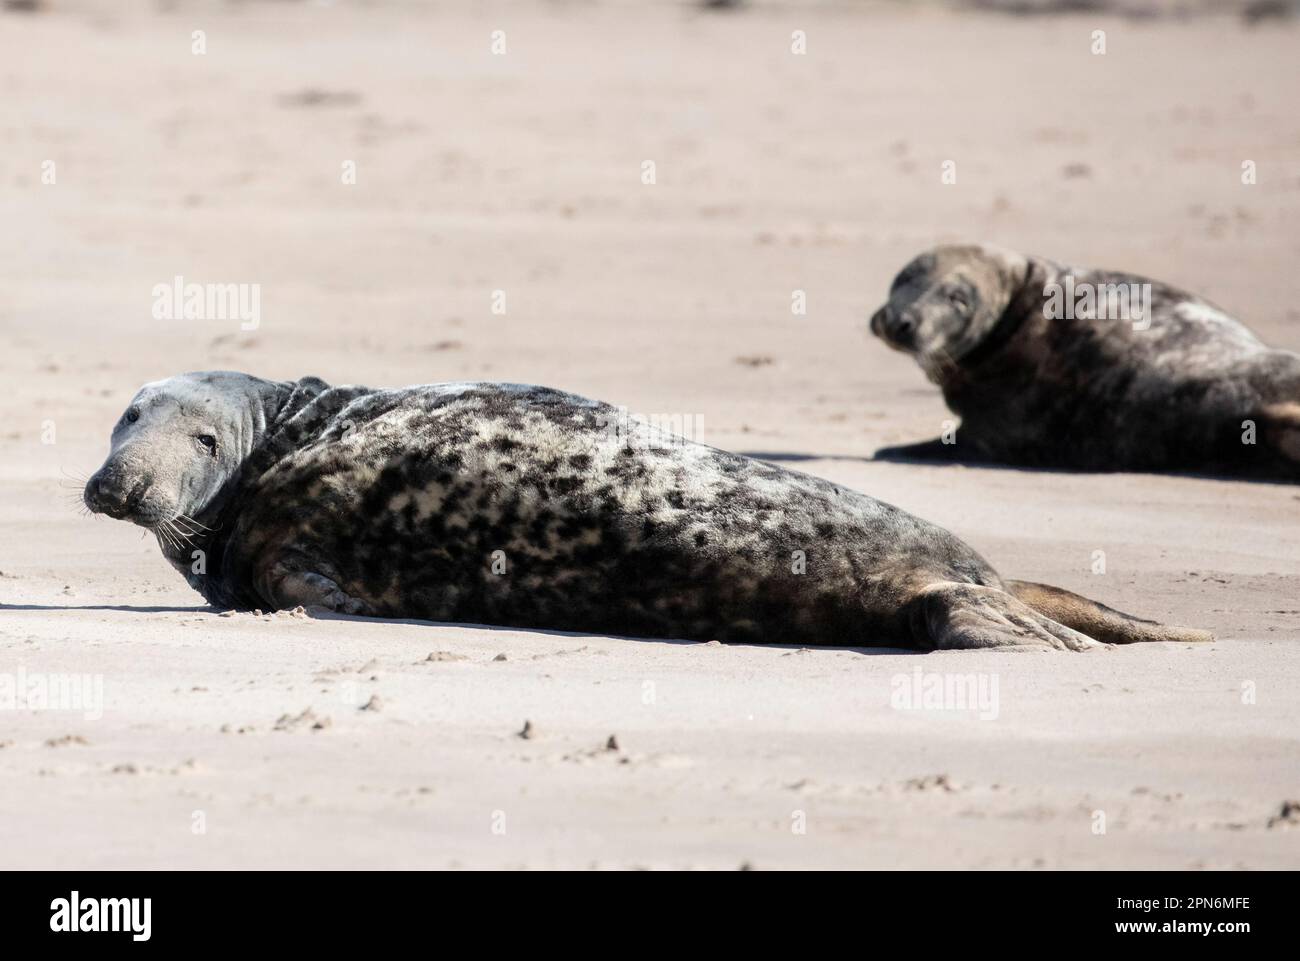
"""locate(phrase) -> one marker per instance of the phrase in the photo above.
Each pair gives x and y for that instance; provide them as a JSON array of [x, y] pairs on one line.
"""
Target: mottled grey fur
[[525, 506], [1188, 392]]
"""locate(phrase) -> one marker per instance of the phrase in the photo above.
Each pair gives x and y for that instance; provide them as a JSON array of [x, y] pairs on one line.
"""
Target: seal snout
[[896, 328], [110, 492]]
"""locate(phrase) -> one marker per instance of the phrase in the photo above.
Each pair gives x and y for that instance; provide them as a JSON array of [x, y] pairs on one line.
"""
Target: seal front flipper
[[950, 615], [929, 450], [287, 589]]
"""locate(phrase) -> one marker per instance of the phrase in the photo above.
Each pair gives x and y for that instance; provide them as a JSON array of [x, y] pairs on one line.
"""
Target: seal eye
[[132, 415], [959, 300], [208, 442]]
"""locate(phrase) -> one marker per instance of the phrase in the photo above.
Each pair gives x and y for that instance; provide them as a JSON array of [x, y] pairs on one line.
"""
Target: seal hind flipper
[[1281, 430], [950, 615], [1096, 619]]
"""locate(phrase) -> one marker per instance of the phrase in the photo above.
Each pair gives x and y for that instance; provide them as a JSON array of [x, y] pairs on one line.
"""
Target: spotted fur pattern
[[525, 506]]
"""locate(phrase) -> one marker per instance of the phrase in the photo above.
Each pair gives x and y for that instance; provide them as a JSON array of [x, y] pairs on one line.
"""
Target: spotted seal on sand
[[528, 507], [1051, 366]]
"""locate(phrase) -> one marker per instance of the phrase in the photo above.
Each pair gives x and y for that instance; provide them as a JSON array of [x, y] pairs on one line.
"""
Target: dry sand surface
[[521, 173]]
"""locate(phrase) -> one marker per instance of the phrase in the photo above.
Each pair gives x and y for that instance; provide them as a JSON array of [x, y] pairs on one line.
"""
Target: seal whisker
[[187, 535], [161, 533], [192, 522], [180, 534], [171, 533]]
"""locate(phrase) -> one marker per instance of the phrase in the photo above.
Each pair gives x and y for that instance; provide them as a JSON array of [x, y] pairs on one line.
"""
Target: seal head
[[947, 302], [180, 444]]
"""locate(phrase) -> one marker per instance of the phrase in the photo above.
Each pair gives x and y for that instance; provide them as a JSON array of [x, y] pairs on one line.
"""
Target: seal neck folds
[[194, 544], [1025, 302]]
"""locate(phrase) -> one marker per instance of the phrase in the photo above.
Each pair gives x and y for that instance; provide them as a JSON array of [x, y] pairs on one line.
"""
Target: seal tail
[[1097, 620]]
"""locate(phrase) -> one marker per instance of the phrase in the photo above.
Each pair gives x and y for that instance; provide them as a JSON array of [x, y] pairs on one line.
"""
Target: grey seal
[[524, 506], [1060, 367]]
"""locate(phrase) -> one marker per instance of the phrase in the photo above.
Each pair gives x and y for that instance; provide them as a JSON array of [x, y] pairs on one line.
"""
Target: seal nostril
[[105, 495], [94, 491], [905, 326]]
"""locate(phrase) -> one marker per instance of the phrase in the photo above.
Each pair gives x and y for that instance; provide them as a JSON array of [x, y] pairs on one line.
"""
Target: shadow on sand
[[128, 608], [416, 622], [887, 457]]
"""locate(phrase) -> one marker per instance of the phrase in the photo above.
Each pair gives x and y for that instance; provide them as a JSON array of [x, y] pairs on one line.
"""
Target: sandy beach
[[277, 740]]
